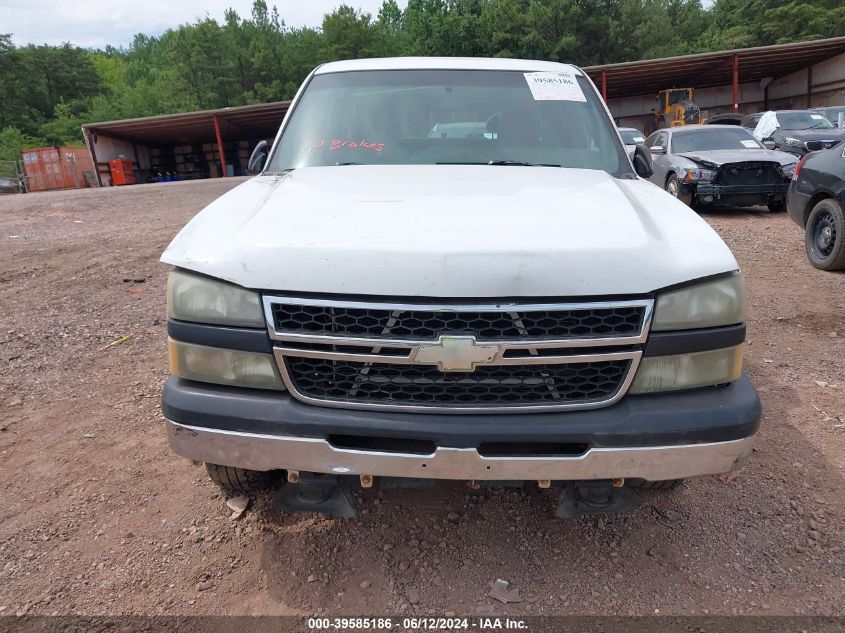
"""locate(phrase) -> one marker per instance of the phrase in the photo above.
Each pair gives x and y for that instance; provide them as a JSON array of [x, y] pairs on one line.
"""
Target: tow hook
[[323, 494], [595, 497]]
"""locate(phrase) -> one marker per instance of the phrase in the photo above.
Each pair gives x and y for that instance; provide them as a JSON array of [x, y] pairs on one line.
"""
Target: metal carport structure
[[129, 136], [704, 70]]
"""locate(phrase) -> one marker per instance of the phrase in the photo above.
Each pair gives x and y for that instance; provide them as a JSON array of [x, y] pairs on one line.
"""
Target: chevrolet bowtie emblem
[[455, 353]]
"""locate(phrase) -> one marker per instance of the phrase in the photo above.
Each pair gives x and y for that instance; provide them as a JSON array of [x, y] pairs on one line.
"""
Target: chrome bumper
[[271, 452]]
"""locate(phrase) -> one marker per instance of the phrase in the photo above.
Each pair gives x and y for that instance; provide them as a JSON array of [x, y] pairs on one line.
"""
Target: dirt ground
[[97, 516]]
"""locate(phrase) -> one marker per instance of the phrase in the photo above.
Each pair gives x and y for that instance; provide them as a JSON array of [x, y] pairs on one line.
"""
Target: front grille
[[814, 146], [429, 324], [425, 385], [473, 357], [749, 174]]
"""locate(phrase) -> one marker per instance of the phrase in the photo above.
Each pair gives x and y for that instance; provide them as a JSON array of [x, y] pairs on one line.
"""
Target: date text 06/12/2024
[[417, 624]]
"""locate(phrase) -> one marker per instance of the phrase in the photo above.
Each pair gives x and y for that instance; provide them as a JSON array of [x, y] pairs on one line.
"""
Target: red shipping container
[[57, 168]]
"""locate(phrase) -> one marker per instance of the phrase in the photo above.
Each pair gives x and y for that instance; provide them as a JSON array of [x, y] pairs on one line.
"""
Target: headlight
[[793, 141], [708, 304], [699, 175], [203, 300], [788, 170], [223, 366], [688, 371]]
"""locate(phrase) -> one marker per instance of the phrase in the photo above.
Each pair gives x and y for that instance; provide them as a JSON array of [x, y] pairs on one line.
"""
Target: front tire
[[673, 186], [824, 237], [238, 480]]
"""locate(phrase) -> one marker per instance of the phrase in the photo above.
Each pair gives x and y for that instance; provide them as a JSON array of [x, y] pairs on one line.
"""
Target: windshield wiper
[[506, 163], [344, 164], [519, 163], [813, 127]]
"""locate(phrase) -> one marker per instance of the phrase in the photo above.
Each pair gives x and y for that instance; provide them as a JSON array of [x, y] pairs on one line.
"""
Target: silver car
[[631, 137], [9, 185], [712, 165]]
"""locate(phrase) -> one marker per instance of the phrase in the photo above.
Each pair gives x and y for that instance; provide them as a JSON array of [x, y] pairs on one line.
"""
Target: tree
[[13, 141], [59, 74], [391, 34], [348, 34], [65, 128]]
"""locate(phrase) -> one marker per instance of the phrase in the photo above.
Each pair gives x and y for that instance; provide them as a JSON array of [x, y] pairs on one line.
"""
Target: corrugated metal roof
[[241, 122], [705, 70]]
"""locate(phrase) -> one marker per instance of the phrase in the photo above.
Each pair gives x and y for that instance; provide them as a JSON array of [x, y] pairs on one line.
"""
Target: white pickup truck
[[450, 269]]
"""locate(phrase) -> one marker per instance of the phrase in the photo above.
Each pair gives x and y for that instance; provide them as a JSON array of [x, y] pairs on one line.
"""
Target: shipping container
[[57, 168]]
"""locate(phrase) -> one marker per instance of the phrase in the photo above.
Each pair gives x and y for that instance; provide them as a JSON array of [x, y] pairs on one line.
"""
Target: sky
[[95, 23]]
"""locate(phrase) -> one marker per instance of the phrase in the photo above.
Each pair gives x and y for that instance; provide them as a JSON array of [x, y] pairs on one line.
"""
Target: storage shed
[[189, 145]]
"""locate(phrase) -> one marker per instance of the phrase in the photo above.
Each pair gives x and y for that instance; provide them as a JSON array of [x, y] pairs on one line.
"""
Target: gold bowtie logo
[[456, 353]]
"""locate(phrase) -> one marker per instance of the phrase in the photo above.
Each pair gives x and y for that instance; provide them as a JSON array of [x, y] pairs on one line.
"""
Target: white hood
[[450, 231]]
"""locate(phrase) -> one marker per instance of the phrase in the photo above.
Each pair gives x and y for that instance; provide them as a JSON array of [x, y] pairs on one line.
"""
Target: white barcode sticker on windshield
[[750, 143], [554, 86], [818, 117]]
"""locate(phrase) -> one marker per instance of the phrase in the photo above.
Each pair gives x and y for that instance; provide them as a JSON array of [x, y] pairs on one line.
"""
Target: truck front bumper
[[655, 437]]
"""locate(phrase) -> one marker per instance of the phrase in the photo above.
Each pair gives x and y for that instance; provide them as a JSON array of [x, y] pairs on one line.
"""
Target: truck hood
[[450, 231], [719, 157]]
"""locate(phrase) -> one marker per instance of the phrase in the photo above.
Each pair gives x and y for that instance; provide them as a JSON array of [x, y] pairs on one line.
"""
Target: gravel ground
[[98, 517]]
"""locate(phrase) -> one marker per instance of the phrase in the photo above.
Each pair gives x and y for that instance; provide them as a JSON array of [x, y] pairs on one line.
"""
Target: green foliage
[[65, 128], [13, 140], [48, 92]]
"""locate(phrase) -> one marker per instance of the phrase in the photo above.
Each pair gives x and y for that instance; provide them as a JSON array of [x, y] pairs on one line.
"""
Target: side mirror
[[769, 144], [258, 158], [643, 163], [657, 149]]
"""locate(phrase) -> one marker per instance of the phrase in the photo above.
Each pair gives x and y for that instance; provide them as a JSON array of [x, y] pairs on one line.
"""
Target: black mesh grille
[[749, 174], [419, 324], [814, 146], [388, 384]]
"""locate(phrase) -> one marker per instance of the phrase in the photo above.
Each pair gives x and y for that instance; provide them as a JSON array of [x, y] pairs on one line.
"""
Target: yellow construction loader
[[675, 106]]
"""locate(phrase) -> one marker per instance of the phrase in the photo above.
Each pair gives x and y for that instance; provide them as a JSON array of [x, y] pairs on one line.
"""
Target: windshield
[[704, 140], [832, 113], [426, 117], [631, 137], [752, 121], [678, 96], [802, 120]]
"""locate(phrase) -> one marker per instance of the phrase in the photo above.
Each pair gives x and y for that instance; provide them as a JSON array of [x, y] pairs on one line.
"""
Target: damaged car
[[797, 131], [719, 165]]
